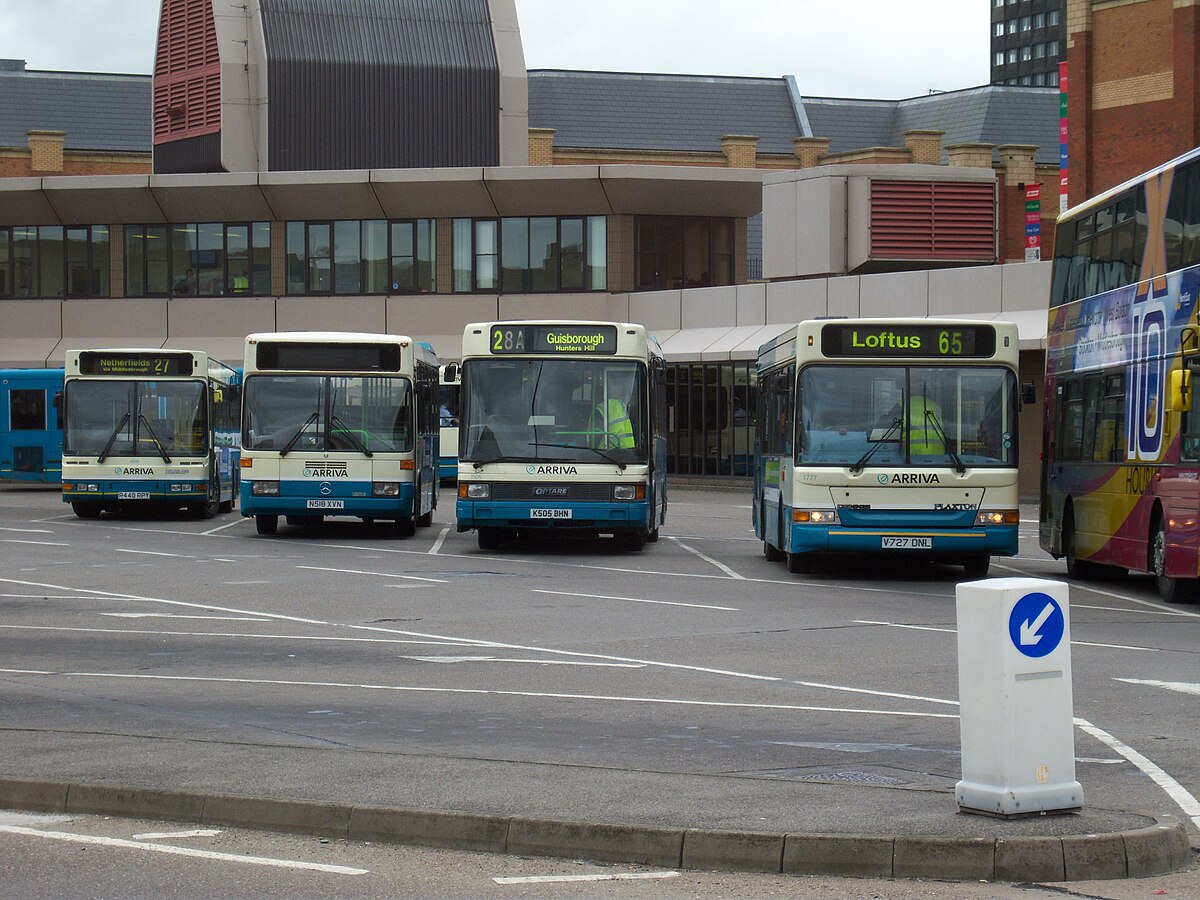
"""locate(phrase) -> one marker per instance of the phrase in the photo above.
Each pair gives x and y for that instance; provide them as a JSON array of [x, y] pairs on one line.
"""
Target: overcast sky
[[885, 49]]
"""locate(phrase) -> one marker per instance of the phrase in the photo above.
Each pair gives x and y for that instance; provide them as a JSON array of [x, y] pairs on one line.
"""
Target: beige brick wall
[[46, 150], [541, 146], [741, 151]]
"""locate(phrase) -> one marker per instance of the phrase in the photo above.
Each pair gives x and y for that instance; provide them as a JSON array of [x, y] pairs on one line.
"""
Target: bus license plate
[[326, 504], [907, 543], [550, 514], [133, 495]]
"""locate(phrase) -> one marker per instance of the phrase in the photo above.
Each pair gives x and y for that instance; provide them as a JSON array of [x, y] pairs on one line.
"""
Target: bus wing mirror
[[451, 373], [1027, 394], [1179, 384]]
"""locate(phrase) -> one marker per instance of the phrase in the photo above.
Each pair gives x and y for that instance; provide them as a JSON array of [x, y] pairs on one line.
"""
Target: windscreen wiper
[[354, 438], [154, 437], [932, 418], [287, 448], [112, 438], [480, 463], [857, 468], [612, 459]]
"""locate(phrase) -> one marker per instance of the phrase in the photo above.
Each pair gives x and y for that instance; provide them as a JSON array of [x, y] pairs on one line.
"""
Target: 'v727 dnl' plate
[[907, 543]]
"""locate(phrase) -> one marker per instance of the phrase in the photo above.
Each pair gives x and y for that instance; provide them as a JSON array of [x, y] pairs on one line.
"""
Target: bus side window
[[1110, 432], [1070, 429]]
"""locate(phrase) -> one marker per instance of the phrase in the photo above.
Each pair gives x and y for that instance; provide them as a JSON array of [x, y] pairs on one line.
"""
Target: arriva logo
[[326, 470], [133, 470], [883, 478], [910, 478], [552, 470]]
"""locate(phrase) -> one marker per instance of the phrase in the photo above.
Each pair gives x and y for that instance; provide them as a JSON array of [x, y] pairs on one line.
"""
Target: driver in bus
[[610, 418]]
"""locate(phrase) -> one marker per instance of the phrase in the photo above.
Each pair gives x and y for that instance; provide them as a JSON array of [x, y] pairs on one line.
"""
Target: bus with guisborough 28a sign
[[149, 428], [562, 427], [888, 436]]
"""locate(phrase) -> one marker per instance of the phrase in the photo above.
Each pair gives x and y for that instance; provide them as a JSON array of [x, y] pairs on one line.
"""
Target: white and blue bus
[[449, 407], [31, 425], [339, 424], [562, 427], [149, 428], [888, 436]]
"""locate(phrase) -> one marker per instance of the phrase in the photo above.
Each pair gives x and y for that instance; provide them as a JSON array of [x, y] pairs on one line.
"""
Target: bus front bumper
[[343, 499], [153, 492], [993, 540], [601, 517]]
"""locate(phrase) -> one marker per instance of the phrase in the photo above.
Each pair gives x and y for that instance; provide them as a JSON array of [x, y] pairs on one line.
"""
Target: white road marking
[[1136, 612], [708, 559], [853, 690], [441, 539], [34, 543], [181, 851], [175, 616], [41, 596], [153, 553], [27, 819], [953, 631], [223, 527], [1076, 586], [1182, 687], [636, 600], [223, 634], [1189, 804], [556, 879], [537, 662], [28, 530], [1101, 762], [167, 835], [376, 574], [487, 692]]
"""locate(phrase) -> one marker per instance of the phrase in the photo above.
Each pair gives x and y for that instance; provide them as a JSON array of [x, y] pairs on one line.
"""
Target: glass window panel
[[319, 262], [27, 409], [5, 263], [347, 257], [260, 258], [463, 254], [486, 262], [403, 270], [157, 260], [696, 271], [297, 257], [237, 250], [101, 265], [426, 255], [597, 253], [210, 254], [670, 252], [571, 254], [135, 261], [24, 259], [50, 261], [79, 277], [184, 259], [543, 254], [375, 256], [514, 241]]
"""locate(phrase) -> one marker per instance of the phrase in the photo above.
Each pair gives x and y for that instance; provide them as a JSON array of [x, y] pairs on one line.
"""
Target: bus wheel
[[1172, 590], [977, 566], [212, 502], [798, 563], [86, 510], [652, 537], [771, 552], [488, 538], [266, 524], [634, 540], [406, 527]]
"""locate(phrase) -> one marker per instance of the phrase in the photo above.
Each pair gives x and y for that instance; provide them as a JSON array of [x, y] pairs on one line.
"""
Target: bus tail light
[[815, 516], [247, 463], [265, 488], [629, 492], [408, 465], [474, 490], [385, 489], [998, 517]]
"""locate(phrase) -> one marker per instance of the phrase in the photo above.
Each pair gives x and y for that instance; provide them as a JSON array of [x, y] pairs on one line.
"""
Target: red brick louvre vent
[[933, 220], [187, 72]]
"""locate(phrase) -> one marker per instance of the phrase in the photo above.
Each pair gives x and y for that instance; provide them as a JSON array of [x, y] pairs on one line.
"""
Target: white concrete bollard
[[1014, 691]]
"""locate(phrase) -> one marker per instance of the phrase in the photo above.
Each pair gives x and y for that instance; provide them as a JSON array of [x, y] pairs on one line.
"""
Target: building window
[[998, 29], [531, 254], [1026, 23], [1052, 18], [1026, 80], [1052, 79], [202, 259], [1039, 51], [997, 4], [1052, 48], [351, 256], [1039, 20], [1012, 55], [1026, 53], [1012, 26], [713, 411], [1039, 80], [54, 261], [998, 59], [676, 252]]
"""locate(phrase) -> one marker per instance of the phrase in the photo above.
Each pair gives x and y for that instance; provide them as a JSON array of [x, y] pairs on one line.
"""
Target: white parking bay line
[[441, 539], [35, 543], [1182, 687], [953, 631], [635, 600], [167, 835], [173, 616], [536, 662], [708, 559], [181, 851], [153, 553], [376, 574], [599, 876], [223, 527], [29, 530]]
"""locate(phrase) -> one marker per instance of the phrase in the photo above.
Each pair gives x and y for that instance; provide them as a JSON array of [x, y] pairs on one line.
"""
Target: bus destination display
[[135, 365], [553, 339], [310, 357], [900, 341]]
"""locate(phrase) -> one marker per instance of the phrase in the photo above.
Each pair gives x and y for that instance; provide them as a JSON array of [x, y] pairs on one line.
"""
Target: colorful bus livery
[[31, 424], [149, 428], [888, 436], [339, 424], [1121, 452]]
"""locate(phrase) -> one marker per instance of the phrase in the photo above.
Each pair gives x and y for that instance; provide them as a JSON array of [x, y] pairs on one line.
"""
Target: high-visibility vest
[[612, 417], [923, 435]]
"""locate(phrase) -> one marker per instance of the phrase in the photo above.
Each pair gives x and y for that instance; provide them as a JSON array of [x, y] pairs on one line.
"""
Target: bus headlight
[[474, 490], [265, 488], [815, 516], [998, 517], [629, 492], [385, 489]]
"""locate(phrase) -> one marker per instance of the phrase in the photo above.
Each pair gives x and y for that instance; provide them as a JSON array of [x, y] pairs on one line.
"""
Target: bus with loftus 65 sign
[[562, 426], [888, 436]]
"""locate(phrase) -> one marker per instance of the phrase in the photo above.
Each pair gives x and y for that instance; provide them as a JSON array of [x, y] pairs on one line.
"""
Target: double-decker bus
[[563, 426], [1121, 448], [888, 436], [449, 404], [31, 425], [339, 424], [149, 428]]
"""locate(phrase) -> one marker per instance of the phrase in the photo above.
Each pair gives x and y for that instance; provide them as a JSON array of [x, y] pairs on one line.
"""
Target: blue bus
[[31, 425]]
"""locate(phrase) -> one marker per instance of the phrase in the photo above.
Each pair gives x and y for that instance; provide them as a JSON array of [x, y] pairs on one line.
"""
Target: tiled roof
[[98, 112]]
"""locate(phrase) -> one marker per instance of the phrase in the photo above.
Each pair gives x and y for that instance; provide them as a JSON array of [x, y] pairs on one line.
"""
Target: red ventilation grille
[[187, 72], [933, 220]]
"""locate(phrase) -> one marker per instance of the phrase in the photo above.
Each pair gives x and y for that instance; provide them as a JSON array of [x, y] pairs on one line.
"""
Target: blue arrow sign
[[1036, 625]]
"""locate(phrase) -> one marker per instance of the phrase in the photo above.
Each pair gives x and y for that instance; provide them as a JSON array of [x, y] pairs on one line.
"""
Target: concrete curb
[[1154, 850]]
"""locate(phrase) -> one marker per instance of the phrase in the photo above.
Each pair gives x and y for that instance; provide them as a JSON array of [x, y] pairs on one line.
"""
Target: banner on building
[[1033, 223], [1063, 179]]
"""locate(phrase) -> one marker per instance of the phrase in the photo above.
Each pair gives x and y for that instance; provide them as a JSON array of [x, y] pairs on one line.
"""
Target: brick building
[[1028, 41]]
